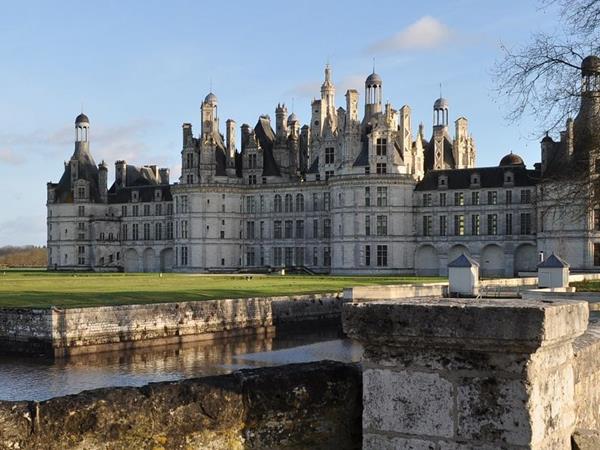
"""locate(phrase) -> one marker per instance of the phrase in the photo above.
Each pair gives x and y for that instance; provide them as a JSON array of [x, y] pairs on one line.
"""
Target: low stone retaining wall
[[366, 293], [299, 406], [62, 332]]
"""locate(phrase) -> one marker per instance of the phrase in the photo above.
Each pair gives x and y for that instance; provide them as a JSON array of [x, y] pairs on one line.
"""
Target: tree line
[[23, 256]]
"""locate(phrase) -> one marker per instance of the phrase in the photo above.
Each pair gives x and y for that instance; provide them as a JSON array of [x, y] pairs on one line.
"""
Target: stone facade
[[342, 194]]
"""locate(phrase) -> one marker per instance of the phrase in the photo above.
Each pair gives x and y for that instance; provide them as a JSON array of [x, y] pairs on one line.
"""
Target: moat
[[35, 378]]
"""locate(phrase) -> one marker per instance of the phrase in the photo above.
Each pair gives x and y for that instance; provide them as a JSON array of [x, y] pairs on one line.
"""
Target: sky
[[141, 69]]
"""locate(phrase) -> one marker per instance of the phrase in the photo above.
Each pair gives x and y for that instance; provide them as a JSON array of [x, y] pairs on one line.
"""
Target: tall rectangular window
[[381, 147], [81, 211], [427, 199], [289, 225], [474, 198], [184, 256], [315, 256], [169, 230], [135, 232], [382, 196], [184, 229], [250, 229], [442, 199], [262, 229], [158, 231], [326, 201], [146, 210], [508, 195], [300, 229], [326, 228], [525, 196], [124, 211], [315, 202], [526, 223], [327, 256], [367, 196], [367, 255], [443, 226], [277, 229], [459, 199], [492, 198], [315, 228], [381, 168], [427, 225], [158, 209], [382, 226], [299, 256], [459, 225], [329, 155], [367, 225], [382, 255], [124, 232], [475, 225], [277, 256], [492, 224]]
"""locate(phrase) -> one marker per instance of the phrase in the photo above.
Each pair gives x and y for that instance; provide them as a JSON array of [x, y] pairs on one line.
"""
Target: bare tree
[[543, 78]]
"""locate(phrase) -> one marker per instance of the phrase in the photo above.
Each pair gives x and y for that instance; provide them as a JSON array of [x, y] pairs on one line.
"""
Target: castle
[[341, 195]]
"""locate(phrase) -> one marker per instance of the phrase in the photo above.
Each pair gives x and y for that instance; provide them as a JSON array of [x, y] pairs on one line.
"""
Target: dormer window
[[508, 177], [135, 196], [381, 146], [475, 179], [443, 181], [158, 195]]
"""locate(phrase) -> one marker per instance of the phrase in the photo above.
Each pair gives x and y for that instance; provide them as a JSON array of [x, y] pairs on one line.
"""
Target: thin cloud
[[8, 156], [424, 34]]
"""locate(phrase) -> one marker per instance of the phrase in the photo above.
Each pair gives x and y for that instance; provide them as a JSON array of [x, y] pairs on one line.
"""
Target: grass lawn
[[39, 289], [587, 286]]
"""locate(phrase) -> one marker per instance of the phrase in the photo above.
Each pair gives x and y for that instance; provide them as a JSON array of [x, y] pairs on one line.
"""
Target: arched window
[[277, 203], [299, 202], [289, 207]]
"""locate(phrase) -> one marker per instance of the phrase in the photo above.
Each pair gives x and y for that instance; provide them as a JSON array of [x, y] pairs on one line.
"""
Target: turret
[[121, 173], [373, 95], [293, 125], [440, 113], [210, 120], [103, 181], [328, 94]]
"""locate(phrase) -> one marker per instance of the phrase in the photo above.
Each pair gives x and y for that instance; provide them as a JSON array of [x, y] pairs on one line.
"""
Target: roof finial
[[440, 90], [210, 85], [373, 64]]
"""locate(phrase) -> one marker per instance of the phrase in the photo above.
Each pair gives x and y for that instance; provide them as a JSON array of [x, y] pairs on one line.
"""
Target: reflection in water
[[34, 378]]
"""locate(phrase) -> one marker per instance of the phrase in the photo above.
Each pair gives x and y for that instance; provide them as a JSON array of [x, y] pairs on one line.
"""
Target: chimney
[[230, 138], [103, 182], [121, 173], [164, 175]]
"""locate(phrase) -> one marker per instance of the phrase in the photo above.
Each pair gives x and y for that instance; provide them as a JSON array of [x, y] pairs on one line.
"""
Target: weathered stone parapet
[[463, 374], [299, 406]]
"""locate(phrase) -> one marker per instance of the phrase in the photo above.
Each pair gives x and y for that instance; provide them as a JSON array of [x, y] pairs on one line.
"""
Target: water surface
[[35, 378]]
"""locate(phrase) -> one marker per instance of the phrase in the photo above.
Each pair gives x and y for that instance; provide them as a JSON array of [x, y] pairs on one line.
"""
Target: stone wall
[[463, 374], [587, 388], [300, 406], [85, 330], [23, 328]]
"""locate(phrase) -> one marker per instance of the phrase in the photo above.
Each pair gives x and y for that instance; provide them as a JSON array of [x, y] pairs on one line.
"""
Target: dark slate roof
[[430, 149], [82, 118], [553, 262], [221, 162], [363, 157], [464, 261], [314, 167], [512, 159], [146, 193], [489, 177], [87, 171], [266, 136]]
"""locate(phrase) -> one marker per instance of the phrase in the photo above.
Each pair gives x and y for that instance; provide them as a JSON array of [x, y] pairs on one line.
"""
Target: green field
[[36, 288], [587, 286]]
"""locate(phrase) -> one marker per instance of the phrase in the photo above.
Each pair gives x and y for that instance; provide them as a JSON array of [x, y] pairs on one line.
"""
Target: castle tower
[[440, 133], [82, 129], [586, 134], [103, 181]]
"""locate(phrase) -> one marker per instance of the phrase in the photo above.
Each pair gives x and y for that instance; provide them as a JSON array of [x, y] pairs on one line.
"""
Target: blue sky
[[141, 69]]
